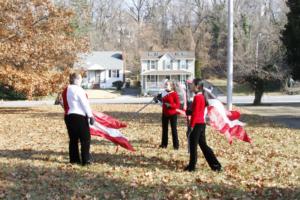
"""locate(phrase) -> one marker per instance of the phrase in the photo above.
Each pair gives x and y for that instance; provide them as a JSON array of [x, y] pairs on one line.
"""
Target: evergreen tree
[[291, 37]]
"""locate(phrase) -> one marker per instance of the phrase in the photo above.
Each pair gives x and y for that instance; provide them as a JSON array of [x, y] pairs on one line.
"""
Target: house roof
[[167, 72], [101, 60], [156, 55]]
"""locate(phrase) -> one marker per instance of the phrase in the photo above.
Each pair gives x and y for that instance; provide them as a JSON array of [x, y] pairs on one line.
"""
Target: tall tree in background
[[291, 37], [38, 46], [258, 50]]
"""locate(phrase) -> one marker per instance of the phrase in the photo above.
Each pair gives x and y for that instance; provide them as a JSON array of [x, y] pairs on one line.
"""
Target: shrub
[[118, 84], [8, 93]]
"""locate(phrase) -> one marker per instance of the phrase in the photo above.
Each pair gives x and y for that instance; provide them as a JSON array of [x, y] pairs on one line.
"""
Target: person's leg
[[193, 141], [165, 124], [71, 124], [173, 121], [207, 151], [85, 140]]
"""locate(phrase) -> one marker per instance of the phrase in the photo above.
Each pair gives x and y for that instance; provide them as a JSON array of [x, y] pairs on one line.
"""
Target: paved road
[[238, 100]]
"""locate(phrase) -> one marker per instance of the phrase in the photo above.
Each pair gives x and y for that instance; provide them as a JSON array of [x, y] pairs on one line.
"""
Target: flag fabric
[[107, 127], [226, 123]]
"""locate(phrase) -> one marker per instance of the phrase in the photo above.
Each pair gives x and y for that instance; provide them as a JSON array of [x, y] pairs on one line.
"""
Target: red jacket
[[172, 99], [198, 108]]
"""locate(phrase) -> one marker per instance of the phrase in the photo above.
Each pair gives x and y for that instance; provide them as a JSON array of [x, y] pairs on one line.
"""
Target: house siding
[[180, 66], [98, 65]]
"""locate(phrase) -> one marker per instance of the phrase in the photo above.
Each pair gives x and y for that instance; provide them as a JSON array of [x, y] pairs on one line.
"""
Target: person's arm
[[174, 103], [85, 103], [192, 124]]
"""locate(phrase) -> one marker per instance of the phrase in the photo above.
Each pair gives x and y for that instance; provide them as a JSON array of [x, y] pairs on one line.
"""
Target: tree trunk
[[259, 91]]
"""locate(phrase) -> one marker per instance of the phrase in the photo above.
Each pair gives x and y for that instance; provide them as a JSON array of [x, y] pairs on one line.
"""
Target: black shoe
[[162, 146], [188, 168], [176, 148], [87, 163]]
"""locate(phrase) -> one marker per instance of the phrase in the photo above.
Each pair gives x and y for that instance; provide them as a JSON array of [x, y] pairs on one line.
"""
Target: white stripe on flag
[[110, 131]]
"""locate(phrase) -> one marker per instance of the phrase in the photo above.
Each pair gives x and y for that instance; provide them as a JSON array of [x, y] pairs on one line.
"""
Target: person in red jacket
[[170, 103], [197, 134]]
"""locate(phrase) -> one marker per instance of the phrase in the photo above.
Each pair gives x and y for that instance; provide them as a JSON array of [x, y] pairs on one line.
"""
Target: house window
[[168, 65], [178, 64], [183, 64], [151, 78], [115, 73], [148, 64], [153, 66], [187, 64], [109, 73]]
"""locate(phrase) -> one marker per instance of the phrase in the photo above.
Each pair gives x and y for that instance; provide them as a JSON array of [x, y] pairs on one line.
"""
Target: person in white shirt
[[78, 116]]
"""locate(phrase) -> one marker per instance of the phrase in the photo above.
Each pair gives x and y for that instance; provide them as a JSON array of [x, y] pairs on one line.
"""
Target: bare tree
[[259, 52], [137, 9]]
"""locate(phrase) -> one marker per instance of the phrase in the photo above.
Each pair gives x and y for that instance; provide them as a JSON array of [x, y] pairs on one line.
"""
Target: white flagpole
[[230, 55]]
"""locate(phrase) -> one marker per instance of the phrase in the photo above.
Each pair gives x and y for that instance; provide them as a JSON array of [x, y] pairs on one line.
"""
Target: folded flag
[[226, 123], [107, 127]]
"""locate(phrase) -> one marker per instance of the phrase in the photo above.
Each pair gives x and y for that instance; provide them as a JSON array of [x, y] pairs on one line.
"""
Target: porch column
[[142, 82], [146, 85]]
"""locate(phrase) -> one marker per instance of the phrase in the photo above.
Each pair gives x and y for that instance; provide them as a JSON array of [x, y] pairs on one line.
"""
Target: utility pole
[[230, 55]]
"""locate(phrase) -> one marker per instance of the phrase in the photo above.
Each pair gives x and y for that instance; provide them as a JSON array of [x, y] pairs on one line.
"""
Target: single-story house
[[159, 66], [102, 68]]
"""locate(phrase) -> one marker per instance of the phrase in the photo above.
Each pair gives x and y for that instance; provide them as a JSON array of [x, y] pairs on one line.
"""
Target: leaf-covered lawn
[[34, 160]]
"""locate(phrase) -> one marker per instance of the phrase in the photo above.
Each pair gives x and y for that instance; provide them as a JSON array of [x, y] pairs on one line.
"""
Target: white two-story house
[[159, 66]]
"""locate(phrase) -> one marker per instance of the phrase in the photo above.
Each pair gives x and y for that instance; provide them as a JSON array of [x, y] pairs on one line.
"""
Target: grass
[[238, 89], [34, 160]]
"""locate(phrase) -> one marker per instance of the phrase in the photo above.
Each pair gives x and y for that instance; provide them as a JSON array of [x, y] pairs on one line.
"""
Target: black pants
[[78, 130], [165, 124], [197, 136]]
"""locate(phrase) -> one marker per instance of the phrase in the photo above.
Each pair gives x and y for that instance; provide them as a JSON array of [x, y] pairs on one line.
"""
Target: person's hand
[[155, 99], [168, 105], [188, 112], [158, 98], [92, 120]]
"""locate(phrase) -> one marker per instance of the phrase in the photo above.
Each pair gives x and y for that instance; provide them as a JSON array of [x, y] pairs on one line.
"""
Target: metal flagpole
[[230, 55]]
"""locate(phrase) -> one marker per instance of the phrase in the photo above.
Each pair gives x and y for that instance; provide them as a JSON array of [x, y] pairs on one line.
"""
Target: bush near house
[[118, 84]]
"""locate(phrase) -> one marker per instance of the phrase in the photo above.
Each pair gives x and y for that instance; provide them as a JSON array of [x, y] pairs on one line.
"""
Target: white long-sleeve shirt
[[75, 101]]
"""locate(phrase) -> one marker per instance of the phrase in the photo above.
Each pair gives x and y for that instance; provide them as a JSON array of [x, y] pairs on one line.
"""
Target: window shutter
[[109, 73], [118, 74]]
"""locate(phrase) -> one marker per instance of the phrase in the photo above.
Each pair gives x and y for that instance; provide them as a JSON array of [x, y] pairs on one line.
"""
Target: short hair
[[198, 82], [73, 77]]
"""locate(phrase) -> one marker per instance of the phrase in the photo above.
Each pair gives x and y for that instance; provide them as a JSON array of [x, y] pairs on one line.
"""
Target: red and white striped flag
[[226, 122], [107, 127]]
